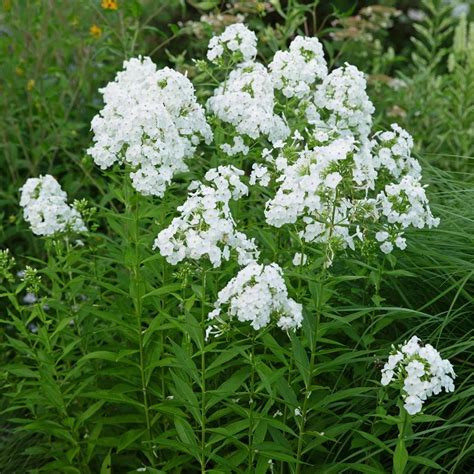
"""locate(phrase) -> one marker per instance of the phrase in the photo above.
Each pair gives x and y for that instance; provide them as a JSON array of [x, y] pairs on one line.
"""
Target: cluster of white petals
[[151, 121], [246, 100], [46, 209], [339, 184], [237, 40], [295, 72], [392, 151], [205, 226], [420, 370], [258, 295], [341, 103]]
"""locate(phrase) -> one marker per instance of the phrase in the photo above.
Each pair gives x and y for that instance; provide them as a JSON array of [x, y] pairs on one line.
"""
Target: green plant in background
[[108, 360]]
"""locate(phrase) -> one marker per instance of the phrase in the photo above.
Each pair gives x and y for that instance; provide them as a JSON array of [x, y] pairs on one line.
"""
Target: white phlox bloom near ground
[[237, 40], [151, 121], [258, 295], [420, 371], [296, 72], [205, 226], [246, 101], [45, 207]]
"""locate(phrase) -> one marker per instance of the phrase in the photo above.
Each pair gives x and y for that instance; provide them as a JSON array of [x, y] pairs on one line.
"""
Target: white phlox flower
[[341, 103], [420, 371], [151, 121], [258, 295], [46, 209], [246, 101], [237, 40], [205, 226], [297, 71]]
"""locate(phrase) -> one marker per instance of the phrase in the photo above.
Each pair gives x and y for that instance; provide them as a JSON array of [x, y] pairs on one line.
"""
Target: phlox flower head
[[419, 371], [246, 100], [258, 295], [341, 103], [237, 41], [205, 226], [297, 71], [151, 122], [46, 209]]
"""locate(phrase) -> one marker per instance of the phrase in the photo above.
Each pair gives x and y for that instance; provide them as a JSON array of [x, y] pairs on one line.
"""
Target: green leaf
[[106, 467], [128, 438], [400, 457]]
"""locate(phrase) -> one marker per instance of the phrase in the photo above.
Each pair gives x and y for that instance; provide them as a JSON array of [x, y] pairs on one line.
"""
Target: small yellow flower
[[95, 31], [109, 4], [30, 84], [19, 71]]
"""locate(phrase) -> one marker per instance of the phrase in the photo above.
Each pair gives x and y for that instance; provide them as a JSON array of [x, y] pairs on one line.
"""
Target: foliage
[[105, 362]]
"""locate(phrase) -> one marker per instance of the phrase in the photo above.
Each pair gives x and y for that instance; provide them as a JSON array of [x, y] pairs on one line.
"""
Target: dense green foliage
[[109, 370]]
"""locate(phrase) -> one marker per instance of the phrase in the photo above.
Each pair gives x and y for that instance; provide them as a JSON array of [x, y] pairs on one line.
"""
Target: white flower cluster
[[45, 207], [341, 104], [296, 71], [260, 175], [422, 372], [236, 39], [258, 294], [246, 101], [205, 225], [392, 151], [347, 188], [404, 204], [308, 189], [151, 121]]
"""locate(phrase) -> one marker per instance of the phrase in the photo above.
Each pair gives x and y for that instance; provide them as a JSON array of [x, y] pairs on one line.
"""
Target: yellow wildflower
[[95, 31], [30, 84], [109, 4], [19, 71]]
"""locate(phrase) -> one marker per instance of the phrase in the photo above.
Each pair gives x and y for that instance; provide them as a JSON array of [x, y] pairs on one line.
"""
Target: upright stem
[[307, 393], [203, 377], [137, 302], [251, 406], [322, 277]]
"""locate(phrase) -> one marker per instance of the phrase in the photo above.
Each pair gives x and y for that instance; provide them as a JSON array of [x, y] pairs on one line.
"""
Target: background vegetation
[[71, 389]]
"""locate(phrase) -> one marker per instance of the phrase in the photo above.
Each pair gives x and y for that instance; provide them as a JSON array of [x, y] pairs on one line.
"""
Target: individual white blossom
[[237, 40], [300, 259], [238, 147], [258, 295], [46, 209], [420, 371], [246, 101], [205, 226], [296, 72], [151, 122], [259, 175]]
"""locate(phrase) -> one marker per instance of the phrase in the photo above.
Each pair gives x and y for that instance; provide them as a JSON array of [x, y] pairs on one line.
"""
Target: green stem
[[322, 277], [307, 393], [137, 302], [251, 406], [203, 377]]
